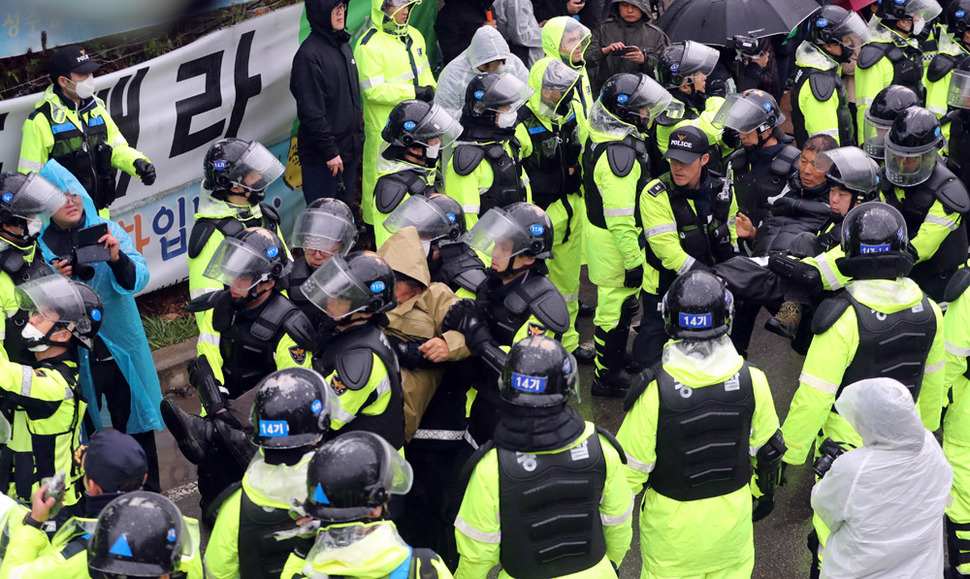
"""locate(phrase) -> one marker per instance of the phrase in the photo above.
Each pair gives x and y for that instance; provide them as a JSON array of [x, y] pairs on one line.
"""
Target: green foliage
[[167, 330]]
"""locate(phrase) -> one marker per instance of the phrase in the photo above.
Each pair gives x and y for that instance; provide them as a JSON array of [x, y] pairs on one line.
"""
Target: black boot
[[586, 310], [192, 433], [612, 380], [585, 353], [235, 441]]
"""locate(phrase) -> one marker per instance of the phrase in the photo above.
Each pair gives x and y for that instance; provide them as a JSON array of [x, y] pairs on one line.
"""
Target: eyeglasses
[[340, 8]]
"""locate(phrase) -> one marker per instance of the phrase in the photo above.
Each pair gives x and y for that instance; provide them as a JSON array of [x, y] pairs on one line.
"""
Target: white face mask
[[506, 120], [34, 226], [431, 151], [85, 88], [33, 336]]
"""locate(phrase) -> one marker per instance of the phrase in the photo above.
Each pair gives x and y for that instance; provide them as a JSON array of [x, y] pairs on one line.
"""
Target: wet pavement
[[780, 550]]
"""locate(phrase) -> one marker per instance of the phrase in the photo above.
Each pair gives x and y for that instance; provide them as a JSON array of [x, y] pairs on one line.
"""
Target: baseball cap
[[112, 459], [73, 58], [686, 144]]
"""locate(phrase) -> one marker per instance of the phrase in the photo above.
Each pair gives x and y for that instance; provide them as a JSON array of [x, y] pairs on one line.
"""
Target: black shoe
[[585, 353], [631, 365], [611, 385], [586, 310], [192, 433], [235, 441]]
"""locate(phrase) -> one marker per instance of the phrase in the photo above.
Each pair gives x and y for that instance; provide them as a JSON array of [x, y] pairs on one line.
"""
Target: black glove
[[766, 504], [633, 277], [467, 318], [786, 206], [408, 355], [145, 171], [424, 93], [731, 138]]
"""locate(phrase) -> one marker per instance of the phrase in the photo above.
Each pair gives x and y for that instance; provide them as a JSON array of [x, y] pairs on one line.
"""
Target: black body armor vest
[[507, 187], [230, 227], [591, 155], [299, 273], [753, 192], [507, 316], [907, 64], [549, 504], [13, 264], [702, 437], [821, 82], [261, 555], [394, 188], [460, 268], [959, 144]]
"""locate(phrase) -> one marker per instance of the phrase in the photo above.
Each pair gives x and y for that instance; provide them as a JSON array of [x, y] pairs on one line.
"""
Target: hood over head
[[405, 254], [318, 14], [487, 45], [883, 412]]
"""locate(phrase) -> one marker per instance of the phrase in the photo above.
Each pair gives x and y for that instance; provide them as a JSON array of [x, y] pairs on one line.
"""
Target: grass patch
[[168, 329]]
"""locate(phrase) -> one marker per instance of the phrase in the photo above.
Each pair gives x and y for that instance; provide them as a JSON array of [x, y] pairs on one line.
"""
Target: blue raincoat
[[121, 328]]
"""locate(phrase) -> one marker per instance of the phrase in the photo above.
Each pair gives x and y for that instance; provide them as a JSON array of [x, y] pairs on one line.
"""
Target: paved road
[[779, 539]]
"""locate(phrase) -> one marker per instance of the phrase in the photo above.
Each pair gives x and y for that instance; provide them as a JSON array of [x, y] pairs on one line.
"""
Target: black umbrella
[[716, 22]]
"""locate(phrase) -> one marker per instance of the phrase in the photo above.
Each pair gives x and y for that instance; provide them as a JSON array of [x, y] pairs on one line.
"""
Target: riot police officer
[[954, 47], [834, 37], [324, 229], [415, 134], [697, 467], [893, 52], [615, 169], [929, 196], [547, 497], [956, 123], [290, 418], [485, 170], [881, 325], [888, 104]]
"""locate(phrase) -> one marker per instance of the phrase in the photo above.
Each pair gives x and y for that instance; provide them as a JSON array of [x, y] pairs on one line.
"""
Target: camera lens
[[84, 272]]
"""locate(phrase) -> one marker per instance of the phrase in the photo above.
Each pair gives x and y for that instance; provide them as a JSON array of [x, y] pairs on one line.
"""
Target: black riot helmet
[[518, 229], [438, 219], [292, 409], [888, 104], [25, 201], [912, 147], [360, 282], [685, 60], [890, 12], [139, 534], [495, 94], [414, 123], [752, 110], [957, 19], [255, 255], [353, 474], [326, 225], [836, 25], [634, 99], [849, 168], [875, 242], [248, 165], [538, 373], [698, 306], [68, 303]]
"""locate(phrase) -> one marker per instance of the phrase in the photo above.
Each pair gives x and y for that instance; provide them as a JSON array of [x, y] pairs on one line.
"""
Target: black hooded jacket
[[327, 91]]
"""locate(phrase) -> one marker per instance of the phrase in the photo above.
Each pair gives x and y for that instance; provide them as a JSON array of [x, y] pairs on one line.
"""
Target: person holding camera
[[883, 501], [626, 42], [81, 245]]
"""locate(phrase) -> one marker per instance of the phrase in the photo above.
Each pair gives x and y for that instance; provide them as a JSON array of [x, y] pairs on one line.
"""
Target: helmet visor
[[391, 7], [852, 32], [506, 95], [698, 59], [420, 213], [335, 291], [741, 114], [557, 82], [958, 95], [874, 134], [923, 10], [650, 99], [256, 169], [498, 236], [850, 168], [238, 266], [908, 168], [437, 124], [323, 231], [37, 197], [55, 298]]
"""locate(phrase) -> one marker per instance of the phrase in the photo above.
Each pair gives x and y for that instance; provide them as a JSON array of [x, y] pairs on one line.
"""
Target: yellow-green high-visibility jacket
[[936, 75]]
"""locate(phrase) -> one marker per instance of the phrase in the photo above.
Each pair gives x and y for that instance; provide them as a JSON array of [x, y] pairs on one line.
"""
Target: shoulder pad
[[467, 158], [271, 217], [958, 284], [74, 547], [201, 232], [870, 54], [822, 85], [953, 196], [354, 367], [472, 462], [389, 192], [11, 261], [621, 158], [299, 327], [895, 54], [829, 312], [785, 160], [940, 66], [541, 297], [638, 387], [471, 279], [613, 442], [207, 301], [657, 188]]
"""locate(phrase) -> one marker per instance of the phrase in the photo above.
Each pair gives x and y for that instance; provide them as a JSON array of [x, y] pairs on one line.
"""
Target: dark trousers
[[318, 181], [110, 382], [648, 345]]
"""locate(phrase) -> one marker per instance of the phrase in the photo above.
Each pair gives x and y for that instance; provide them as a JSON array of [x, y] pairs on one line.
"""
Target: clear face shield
[[742, 115], [556, 93], [650, 100], [851, 169], [55, 299], [437, 124], [507, 95], [906, 168], [958, 94], [238, 266], [698, 59], [36, 198], [874, 134], [922, 12], [420, 213], [853, 33], [335, 291], [323, 231], [575, 39], [256, 169], [498, 236]]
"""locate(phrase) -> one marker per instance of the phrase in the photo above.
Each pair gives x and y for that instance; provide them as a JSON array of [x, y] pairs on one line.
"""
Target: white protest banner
[[231, 83]]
